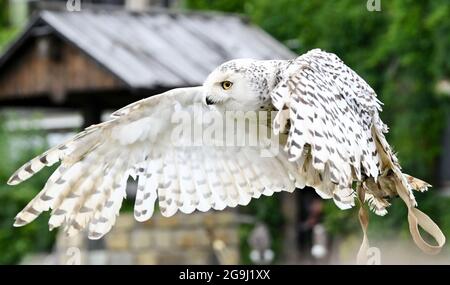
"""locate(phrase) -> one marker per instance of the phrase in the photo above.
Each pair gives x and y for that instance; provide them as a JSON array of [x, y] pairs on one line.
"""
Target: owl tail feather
[[416, 218], [416, 183], [402, 185]]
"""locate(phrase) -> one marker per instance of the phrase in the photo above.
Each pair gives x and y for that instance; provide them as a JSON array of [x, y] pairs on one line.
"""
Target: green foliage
[[16, 242], [402, 52], [4, 13], [232, 6], [5, 36], [6, 31]]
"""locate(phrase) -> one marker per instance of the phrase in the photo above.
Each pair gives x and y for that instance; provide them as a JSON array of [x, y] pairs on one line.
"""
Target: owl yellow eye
[[226, 85]]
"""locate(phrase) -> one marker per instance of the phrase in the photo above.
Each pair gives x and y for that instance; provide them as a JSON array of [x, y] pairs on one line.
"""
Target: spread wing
[[87, 189], [336, 137], [332, 114]]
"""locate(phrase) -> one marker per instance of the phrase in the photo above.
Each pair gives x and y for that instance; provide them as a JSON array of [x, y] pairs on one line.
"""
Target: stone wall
[[198, 238]]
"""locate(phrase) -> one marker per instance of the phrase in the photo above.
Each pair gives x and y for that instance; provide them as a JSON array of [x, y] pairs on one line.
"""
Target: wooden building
[[104, 58]]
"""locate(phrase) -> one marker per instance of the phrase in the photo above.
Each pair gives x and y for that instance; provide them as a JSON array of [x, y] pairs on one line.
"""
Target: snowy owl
[[326, 119]]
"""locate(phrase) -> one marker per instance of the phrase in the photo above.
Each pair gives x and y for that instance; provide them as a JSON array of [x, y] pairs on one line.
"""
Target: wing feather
[[336, 136], [88, 189], [330, 113]]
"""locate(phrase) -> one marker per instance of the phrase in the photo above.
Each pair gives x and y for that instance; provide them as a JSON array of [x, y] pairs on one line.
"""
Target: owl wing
[[144, 140], [336, 138], [330, 110]]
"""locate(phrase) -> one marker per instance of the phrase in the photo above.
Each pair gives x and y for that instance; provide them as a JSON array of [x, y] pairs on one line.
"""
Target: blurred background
[[67, 64]]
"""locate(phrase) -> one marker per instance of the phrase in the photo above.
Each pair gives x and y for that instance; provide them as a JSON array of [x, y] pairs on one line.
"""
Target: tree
[[6, 30], [4, 13]]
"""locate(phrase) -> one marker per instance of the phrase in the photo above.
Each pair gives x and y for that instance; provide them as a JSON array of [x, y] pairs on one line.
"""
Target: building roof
[[157, 48]]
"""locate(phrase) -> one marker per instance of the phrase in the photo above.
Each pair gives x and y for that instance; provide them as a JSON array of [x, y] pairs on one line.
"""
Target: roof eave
[[27, 33]]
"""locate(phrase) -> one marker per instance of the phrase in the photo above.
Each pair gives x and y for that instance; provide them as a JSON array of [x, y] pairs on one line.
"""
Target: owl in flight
[[325, 117]]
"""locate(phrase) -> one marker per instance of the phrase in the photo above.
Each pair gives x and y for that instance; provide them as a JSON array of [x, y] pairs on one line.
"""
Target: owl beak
[[208, 101]]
